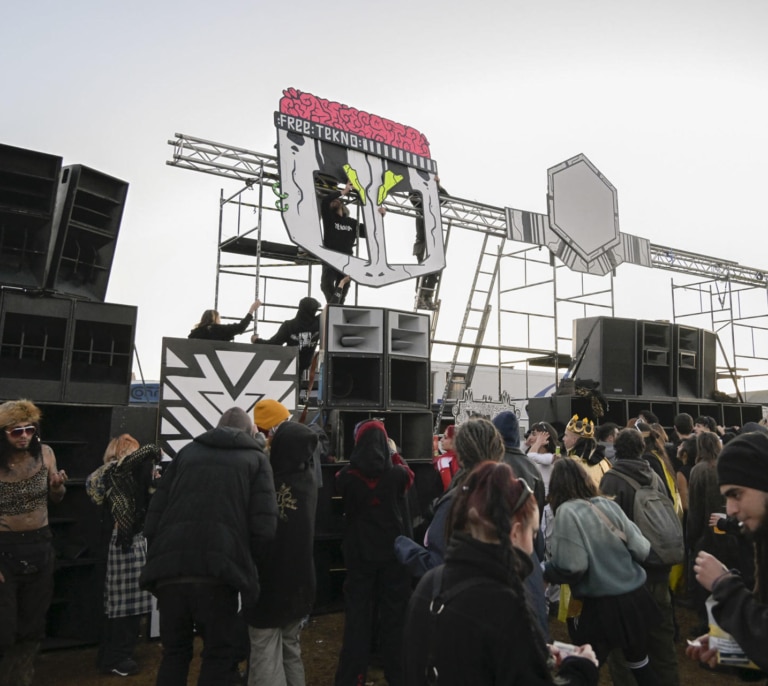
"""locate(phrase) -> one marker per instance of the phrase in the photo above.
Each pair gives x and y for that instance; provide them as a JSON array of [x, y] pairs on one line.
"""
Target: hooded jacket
[[214, 505], [302, 331], [372, 488], [285, 564], [524, 468], [486, 633]]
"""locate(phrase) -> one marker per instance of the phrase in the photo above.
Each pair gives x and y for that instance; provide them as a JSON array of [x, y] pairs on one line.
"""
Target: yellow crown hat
[[582, 427]]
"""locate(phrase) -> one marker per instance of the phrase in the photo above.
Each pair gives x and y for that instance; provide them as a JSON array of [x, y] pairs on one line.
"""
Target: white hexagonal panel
[[583, 207]]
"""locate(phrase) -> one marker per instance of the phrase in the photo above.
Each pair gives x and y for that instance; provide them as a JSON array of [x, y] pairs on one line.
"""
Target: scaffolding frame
[[259, 169]]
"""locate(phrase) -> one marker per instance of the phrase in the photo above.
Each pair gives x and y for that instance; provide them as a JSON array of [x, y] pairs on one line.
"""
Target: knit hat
[[19, 412], [235, 418], [269, 413], [450, 431], [743, 461], [509, 428]]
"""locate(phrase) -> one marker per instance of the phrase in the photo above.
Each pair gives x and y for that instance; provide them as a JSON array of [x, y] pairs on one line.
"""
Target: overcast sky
[[668, 99]]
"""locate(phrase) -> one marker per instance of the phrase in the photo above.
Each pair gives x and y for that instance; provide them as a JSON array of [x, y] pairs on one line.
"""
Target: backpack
[[655, 516]]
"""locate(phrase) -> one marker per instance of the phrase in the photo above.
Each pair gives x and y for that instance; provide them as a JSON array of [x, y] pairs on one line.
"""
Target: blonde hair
[[120, 447]]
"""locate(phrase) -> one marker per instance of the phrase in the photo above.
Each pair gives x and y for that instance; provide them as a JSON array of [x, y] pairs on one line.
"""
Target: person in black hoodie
[[214, 507], [210, 328], [468, 620], [630, 447], [372, 486], [340, 232], [303, 331], [285, 564]]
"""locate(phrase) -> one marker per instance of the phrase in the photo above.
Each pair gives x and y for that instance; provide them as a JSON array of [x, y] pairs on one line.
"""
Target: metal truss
[[252, 167]]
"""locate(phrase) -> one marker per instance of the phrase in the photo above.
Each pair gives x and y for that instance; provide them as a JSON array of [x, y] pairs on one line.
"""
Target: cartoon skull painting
[[319, 139]]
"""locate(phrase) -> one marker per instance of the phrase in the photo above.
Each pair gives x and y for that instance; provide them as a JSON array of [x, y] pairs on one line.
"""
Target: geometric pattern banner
[[200, 380]]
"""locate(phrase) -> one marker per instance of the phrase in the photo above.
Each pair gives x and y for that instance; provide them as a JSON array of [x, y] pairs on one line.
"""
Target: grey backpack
[[656, 518]]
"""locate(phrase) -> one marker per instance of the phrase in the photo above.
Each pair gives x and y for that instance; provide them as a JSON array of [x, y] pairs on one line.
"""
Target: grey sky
[[668, 99]]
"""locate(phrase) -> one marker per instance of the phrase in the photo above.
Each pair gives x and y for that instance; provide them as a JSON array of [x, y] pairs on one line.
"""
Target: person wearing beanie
[[372, 487], [524, 468], [29, 478], [302, 332], [268, 414], [214, 507], [742, 473]]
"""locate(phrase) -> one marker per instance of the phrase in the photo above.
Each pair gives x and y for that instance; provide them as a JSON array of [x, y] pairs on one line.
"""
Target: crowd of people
[[596, 525]]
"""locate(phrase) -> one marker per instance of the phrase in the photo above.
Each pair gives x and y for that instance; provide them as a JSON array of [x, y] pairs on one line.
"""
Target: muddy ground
[[320, 645]]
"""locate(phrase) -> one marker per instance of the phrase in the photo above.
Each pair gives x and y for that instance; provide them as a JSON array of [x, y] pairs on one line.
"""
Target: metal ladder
[[483, 284]]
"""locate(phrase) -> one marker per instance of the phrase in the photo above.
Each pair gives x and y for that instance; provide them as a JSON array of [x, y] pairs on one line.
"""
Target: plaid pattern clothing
[[122, 595]]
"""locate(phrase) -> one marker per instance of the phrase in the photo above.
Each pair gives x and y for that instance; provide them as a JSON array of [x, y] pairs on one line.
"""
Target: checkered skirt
[[122, 595]]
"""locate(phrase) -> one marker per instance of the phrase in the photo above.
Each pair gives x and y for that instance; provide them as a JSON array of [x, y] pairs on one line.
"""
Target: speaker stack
[[644, 358], [65, 350], [376, 364], [59, 341]]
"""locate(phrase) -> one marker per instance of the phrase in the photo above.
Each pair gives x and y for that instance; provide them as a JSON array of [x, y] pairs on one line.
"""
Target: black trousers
[[386, 585], [118, 640], [212, 609], [329, 279], [26, 562]]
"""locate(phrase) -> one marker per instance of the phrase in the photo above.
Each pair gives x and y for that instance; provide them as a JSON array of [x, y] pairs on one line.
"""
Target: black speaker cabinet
[[656, 361], [407, 369], [102, 354], [34, 346], [609, 355], [28, 183], [89, 208], [411, 431], [353, 367], [353, 381]]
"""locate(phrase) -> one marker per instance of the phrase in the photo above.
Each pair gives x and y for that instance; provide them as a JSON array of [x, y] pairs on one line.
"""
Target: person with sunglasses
[[29, 477], [468, 620]]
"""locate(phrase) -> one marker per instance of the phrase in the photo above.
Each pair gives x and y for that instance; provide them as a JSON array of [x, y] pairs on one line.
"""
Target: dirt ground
[[320, 647]]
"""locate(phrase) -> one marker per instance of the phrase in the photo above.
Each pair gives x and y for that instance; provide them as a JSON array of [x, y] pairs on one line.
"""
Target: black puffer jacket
[[286, 565], [213, 507]]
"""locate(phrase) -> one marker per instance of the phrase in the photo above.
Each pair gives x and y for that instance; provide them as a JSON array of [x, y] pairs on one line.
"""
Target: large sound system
[[653, 359], [55, 349], [89, 209], [28, 184]]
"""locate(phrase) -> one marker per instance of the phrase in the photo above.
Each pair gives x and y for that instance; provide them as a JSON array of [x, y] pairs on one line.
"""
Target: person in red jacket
[[447, 464]]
